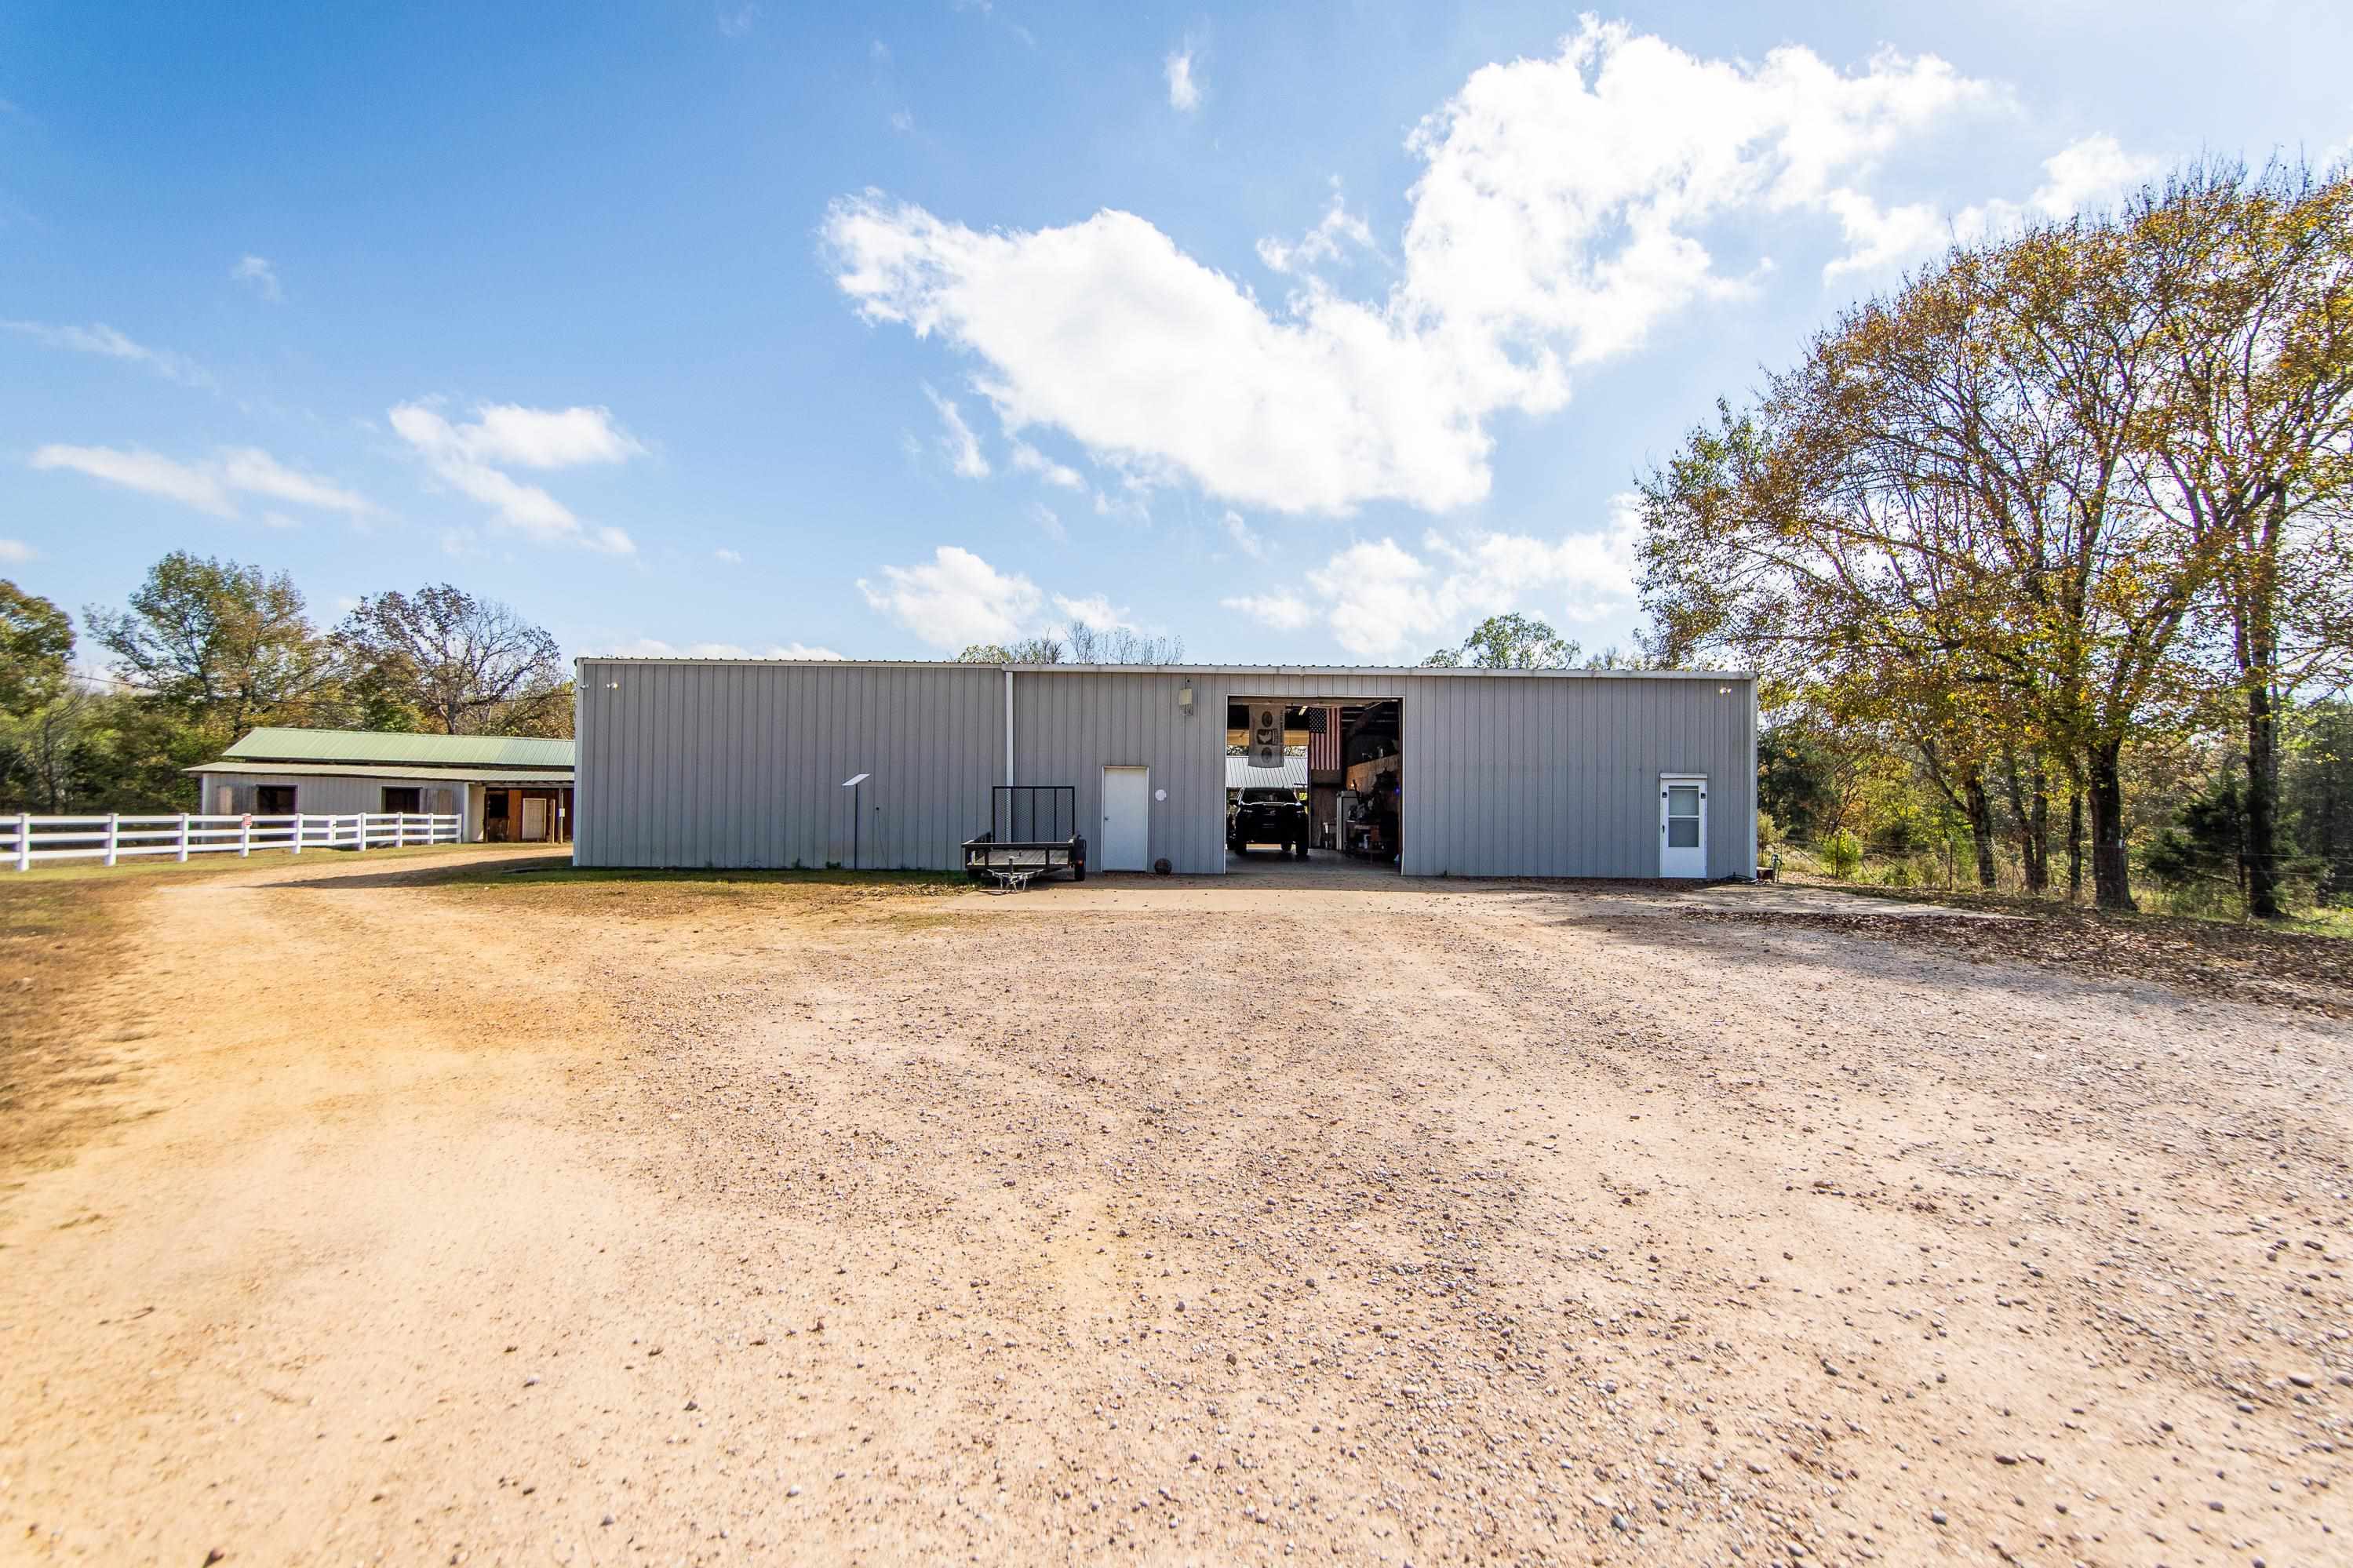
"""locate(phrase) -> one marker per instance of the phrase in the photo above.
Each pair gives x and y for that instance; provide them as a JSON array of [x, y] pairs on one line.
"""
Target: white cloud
[[208, 487], [252, 469], [545, 437], [736, 21], [962, 447], [1558, 218], [1028, 459], [463, 456], [1049, 522], [2093, 172], [956, 599], [1881, 238], [1284, 612], [256, 271], [1183, 91], [732, 557], [104, 341], [15, 552], [1382, 599], [1324, 242], [654, 647], [1096, 610], [1245, 538], [903, 123], [2084, 177]]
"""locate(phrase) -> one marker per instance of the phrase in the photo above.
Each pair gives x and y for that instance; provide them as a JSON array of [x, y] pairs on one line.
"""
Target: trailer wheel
[[1078, 870]]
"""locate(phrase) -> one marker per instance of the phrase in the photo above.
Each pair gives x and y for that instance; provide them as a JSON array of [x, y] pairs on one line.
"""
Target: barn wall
[[740, 765], [716, 763], [1549, 777], [322, 795]]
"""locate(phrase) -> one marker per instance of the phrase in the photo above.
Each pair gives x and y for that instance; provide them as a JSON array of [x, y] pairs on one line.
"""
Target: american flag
[[1323, 741]]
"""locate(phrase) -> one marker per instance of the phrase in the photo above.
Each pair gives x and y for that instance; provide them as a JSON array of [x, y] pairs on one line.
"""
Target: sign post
[[856, 796]]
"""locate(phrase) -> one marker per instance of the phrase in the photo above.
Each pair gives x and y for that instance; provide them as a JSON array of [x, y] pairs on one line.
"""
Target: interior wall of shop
[[727, 764]]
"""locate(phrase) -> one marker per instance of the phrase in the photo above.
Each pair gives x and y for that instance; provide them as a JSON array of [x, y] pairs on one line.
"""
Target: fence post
[[114, 834], [400, 831], [244, 836], [359, 830], [184, 838], [23, 841], [298, 833]]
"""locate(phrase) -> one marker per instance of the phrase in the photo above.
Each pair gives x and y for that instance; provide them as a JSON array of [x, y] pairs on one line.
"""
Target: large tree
[[464, 666], [35, 646], [224, 646], [2252, 453], [1512, 641]]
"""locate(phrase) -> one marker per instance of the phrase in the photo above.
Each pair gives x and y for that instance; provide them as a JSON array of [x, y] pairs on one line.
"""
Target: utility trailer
[[1032, 832]]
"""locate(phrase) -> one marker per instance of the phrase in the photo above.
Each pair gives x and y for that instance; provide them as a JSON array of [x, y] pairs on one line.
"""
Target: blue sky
[[1308, 333]]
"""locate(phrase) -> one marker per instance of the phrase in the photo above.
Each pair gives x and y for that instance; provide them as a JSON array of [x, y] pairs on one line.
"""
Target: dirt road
[[491, 1221]]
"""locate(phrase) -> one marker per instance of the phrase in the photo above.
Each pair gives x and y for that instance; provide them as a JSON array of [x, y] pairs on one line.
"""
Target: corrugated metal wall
[[1519, 776], [740, 765]]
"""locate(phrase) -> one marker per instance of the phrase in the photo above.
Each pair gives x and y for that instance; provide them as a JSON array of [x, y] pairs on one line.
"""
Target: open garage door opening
[[1314, 784]]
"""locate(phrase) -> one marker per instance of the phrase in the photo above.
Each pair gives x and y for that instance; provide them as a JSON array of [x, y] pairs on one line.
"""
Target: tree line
[[2052, 535], [205, 649], [1080, 644]]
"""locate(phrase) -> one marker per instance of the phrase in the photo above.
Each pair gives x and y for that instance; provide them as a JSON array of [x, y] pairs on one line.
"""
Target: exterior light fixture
[[1185, 699]]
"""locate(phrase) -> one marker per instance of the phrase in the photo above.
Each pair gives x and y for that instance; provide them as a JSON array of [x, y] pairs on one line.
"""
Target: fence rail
[[26, 840]]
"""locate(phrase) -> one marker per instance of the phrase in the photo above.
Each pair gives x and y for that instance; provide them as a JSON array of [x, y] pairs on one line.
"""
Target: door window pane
[[1683, 832], [1683, 800]]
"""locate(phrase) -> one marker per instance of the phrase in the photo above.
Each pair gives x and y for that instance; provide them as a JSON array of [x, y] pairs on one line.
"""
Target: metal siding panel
[[692, 763]]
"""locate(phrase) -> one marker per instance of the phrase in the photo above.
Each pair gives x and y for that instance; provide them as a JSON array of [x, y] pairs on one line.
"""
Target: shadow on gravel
[[2309, 973]]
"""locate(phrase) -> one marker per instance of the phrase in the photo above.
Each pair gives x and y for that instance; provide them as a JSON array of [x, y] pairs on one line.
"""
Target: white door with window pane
[[1683, 826]]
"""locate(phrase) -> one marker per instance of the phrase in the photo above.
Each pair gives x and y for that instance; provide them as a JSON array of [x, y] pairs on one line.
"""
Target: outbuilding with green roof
[[502, 788]]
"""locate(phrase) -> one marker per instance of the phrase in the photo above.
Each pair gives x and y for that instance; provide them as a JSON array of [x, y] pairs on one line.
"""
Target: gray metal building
[[739, 763]]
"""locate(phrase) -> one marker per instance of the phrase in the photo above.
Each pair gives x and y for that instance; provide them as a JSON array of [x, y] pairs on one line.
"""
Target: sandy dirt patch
[[495, 1221]]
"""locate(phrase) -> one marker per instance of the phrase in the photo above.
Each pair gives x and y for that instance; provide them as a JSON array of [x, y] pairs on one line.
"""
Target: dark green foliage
[[35, 642], [2204, 847], [2316, 791], [1794, 781]]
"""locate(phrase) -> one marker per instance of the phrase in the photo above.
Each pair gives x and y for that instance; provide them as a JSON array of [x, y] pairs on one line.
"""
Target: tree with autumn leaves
[[2068, 493]]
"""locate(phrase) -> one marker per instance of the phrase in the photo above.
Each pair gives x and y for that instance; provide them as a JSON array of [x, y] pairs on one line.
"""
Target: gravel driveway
[[500, 1221]]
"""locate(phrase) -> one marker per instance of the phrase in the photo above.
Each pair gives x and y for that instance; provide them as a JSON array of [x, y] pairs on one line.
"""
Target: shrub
[[1842, 853]]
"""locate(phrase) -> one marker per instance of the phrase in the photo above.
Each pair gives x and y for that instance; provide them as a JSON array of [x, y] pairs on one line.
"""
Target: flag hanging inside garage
[[1323, 741]]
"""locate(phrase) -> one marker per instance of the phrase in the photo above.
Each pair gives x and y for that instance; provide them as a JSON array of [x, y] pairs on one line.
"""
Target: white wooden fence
[[25, 839]]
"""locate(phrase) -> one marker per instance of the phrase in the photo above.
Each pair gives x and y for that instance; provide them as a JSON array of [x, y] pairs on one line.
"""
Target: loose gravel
[[1168, 1222]]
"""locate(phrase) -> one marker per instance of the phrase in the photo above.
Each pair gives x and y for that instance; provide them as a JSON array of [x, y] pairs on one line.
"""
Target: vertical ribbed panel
[[740, 765]]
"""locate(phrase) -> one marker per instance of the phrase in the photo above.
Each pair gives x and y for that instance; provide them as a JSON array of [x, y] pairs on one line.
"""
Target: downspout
[[1009, 725]]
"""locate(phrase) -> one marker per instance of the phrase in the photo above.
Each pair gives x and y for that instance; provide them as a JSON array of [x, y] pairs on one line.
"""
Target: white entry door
[[1126, 839], [535, 818], [1683, 826]]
